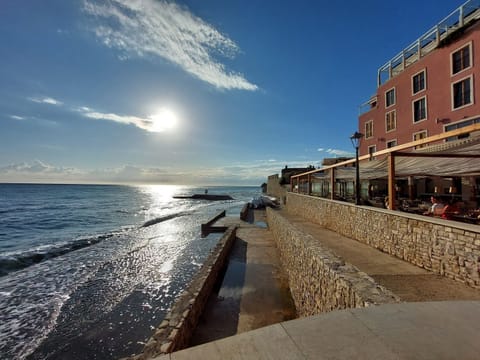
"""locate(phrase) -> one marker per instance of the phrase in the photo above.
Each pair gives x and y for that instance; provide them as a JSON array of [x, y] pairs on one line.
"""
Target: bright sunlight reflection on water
[[162, 193], [161, 200]]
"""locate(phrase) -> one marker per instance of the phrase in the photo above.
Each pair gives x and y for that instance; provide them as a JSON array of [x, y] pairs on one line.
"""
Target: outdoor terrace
[[429, 157]]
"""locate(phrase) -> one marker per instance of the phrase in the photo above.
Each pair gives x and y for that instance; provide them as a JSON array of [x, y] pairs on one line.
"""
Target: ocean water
[[89, 271]]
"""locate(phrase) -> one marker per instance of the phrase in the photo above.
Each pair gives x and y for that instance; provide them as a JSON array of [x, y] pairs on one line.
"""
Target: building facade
[[430, 87]]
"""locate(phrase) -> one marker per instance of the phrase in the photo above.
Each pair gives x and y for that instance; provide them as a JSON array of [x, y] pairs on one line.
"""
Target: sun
[[163, 120]]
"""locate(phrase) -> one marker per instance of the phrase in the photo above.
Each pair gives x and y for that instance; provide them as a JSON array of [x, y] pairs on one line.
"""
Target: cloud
[[16, 117], [166, 30], [40, 171], [45, 100], [35, 167], [338, 152], [149, 124], [321, 149], [253, 173], [245, 173]]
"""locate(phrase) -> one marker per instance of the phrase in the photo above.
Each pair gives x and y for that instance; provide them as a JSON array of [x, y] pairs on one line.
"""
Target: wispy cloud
[[337, 152], [45, 100], [35, 167], [253, 173], [16, 117], [166, 30], [149, 124]]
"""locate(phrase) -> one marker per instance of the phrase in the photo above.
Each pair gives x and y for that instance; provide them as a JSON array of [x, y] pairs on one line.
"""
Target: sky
[[200, 92]]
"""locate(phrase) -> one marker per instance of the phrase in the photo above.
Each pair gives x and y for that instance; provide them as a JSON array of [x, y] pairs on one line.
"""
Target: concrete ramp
[[254, 290], [409, 282]]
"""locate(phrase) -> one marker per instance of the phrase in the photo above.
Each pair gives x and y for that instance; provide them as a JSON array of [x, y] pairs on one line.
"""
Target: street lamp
[[355, 138]]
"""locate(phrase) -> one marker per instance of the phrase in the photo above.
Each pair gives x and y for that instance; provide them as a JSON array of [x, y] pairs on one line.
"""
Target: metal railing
[[429, 40]]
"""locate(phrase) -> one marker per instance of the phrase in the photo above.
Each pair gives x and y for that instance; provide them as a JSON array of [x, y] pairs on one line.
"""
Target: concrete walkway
[[254, 291], [253, 295], [408, 281], [428, 330]]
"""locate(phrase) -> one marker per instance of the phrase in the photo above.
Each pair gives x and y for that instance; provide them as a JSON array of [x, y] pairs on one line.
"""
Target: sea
[[89, 271]]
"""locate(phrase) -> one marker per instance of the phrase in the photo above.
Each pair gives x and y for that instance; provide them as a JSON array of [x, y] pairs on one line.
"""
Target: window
[[419, 136], [369, 129], [390, 121], [418, 82], [462, 93], [419, 109], [371, 150], [461, 59], [390, 98], [391, 143], [460, 125]]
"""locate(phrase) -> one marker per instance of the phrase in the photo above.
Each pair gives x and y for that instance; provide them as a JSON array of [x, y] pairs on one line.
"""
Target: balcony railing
[[369, 105], [430, 40]]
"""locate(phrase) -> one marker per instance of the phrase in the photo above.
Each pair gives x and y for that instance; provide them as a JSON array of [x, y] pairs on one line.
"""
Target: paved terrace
[[254, 296]]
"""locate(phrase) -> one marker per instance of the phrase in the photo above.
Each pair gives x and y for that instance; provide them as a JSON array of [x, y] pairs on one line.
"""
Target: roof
[[458, 158]]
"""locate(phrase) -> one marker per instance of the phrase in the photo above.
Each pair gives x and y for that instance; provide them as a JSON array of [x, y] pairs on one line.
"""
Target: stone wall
[[448, 248], [319, 280], [175, 332], [275, 189]]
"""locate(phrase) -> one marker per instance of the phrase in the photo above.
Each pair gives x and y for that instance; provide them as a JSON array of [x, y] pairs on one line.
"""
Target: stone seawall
[[445, 247], [275, 189], [175, 331], [319, 280]]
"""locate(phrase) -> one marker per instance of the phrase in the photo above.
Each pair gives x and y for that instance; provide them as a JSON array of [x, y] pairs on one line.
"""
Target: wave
[[17, 261], [164, 218], [14, 261]]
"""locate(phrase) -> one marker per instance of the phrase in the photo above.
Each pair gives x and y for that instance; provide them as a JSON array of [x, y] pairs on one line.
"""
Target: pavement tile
[[204, 351], [424, 330], [162, 357], [336, 335], [271, 342]]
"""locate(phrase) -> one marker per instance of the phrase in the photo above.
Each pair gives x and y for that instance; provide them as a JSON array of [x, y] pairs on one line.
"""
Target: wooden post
[[460, 17], [391, 181], [332, 183], [411, 188], [309, 189]]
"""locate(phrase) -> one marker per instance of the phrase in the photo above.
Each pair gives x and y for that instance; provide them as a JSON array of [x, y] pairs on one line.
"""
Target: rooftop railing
[[430, 40], [368, 105]]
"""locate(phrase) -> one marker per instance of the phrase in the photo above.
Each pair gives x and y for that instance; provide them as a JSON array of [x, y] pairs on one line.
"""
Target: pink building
[[430, 87]]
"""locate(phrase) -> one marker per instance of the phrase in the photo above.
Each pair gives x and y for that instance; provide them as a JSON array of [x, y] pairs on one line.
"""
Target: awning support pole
[[391, 181], [332, 183]]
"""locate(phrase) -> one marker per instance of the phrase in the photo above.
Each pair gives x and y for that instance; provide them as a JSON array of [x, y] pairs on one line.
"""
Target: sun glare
[[165, 119]]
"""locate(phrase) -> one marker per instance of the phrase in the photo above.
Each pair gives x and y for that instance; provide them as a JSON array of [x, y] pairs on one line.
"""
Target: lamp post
[[355, 138]]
